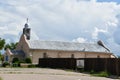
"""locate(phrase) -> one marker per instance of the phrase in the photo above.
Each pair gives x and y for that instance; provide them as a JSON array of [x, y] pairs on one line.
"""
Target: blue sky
[[118, 1], [63, 20]]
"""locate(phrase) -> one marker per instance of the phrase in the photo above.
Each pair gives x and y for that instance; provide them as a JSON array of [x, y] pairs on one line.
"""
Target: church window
[[44, 55], [72, 56], [6, 58], [98, 56]]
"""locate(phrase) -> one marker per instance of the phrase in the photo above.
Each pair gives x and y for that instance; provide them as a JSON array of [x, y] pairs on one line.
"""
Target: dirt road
[[44, 74]]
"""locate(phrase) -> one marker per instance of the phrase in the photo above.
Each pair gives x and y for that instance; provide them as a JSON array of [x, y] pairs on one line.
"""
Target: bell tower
[[26, 30]]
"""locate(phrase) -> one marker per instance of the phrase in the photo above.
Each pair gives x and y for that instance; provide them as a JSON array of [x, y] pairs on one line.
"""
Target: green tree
[[2, 43], [11, 46], [28, 60], [1, 57]]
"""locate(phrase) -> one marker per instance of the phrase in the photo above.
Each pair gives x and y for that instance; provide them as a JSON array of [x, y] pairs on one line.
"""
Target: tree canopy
[[1, 57], [11, 46], [2, 43]]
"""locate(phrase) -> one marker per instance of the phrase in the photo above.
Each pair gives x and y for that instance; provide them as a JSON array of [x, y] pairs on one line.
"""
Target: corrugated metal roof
[[66, 46], [18, 52]]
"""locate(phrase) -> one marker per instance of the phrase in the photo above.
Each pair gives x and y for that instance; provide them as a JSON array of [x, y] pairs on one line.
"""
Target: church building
[[36, 49]]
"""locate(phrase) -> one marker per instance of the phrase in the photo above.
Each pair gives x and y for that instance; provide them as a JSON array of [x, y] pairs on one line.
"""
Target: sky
[[117, 1], [63, 20]]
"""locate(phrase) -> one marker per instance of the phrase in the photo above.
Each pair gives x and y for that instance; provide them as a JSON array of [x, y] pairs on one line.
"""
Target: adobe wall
[[36, 54], [23, 45]]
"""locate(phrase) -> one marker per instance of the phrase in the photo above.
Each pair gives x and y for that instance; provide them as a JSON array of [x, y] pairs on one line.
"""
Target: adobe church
[[36, 49]]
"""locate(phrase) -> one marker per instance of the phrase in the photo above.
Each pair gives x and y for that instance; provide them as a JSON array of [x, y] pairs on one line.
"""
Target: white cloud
[[117, 35], [97, 31], [80, 40], [79, 20]]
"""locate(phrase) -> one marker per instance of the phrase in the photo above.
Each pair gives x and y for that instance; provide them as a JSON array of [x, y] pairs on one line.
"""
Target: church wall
[[8, 57], [23, 45], [36, 54], [97, 55]]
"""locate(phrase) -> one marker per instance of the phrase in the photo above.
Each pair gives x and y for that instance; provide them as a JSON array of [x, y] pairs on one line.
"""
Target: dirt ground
[[44, 74]]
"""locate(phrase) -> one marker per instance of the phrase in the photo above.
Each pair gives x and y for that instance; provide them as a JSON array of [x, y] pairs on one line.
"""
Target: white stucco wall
[[36, 54]]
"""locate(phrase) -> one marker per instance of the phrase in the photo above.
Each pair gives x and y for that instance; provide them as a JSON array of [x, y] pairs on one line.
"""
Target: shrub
[[31, 66], [28, 60], [6, 64], [16, 64], [104, 74], [22, 61], [92, 72], [15, 60]]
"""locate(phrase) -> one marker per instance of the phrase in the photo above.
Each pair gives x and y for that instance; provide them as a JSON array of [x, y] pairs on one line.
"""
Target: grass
[[1, 78], [69, 70], [101, 74]]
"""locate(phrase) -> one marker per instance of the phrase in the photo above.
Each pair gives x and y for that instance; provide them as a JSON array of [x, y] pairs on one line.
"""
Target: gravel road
[[44, 74]]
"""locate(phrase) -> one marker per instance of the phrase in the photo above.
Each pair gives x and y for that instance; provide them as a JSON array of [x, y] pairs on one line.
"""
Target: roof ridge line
[[64, 41]]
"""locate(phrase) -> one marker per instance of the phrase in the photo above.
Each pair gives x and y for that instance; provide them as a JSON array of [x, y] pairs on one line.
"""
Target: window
[[44, 55], [72, 55], [6, 58], [98, 56]]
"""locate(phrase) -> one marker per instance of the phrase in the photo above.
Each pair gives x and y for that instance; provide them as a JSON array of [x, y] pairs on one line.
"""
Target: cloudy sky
[[63, 20]]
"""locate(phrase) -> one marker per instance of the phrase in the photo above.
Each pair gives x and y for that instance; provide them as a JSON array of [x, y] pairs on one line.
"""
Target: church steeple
[[26, 25], [26, 30]]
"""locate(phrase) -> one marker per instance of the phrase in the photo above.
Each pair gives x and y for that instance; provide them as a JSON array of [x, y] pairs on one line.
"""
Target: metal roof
[[18, 52], [66, 46]]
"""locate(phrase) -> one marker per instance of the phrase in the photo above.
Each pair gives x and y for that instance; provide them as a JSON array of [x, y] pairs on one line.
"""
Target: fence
[[111, 65], [64, 63]]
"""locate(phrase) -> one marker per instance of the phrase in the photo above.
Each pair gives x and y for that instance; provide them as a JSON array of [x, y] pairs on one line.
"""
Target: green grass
[[101, 74], [1, 78]]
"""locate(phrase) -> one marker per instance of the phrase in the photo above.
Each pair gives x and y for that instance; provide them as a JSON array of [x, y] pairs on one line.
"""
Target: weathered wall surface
[[23, 45], [36, 54]]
